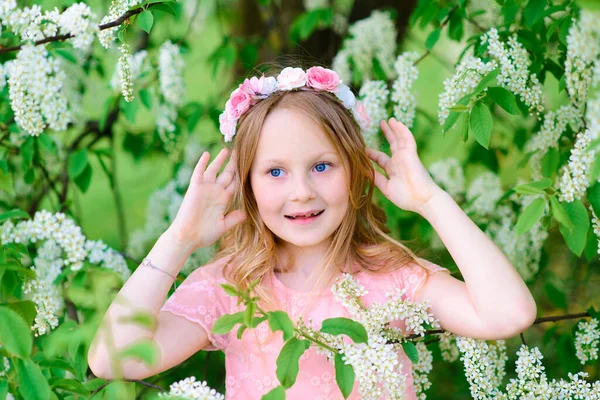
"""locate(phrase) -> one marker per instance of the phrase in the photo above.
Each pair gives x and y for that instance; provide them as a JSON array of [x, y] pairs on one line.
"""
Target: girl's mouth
[[304, 220]]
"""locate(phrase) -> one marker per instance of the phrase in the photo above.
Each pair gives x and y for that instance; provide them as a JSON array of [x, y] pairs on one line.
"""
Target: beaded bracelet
[[148, 263]]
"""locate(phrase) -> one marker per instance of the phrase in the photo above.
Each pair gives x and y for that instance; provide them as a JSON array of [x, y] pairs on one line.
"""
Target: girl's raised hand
[[409, 186], [201, 218]]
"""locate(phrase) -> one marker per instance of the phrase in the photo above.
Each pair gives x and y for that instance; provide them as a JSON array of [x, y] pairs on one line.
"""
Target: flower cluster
[[371, 38], [514, 69], [374, 95], [116, 9], [318, 78], [376, 363], [189, 388], [124, 71], [405, 103], [421, 370], [468, 74], [484, 365], [587, 338], [170, 77], [448, 173], [483, 193], [554, 125], [31, 24], [61, 244], [574, 179], [583, 49], [35, 82], [448, 347], [4, 366], [136, 63], [532, 383]]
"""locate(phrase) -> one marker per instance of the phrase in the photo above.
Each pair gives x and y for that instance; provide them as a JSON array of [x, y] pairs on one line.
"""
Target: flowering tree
[[521, 105]]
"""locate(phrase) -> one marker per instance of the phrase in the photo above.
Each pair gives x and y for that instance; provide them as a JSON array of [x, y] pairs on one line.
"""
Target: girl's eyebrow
[[278, 161]]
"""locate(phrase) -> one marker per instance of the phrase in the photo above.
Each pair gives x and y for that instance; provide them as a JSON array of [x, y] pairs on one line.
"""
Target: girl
[[294, 207]]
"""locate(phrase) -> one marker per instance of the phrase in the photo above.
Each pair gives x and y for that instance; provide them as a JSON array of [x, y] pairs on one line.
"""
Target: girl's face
[[297, 171]]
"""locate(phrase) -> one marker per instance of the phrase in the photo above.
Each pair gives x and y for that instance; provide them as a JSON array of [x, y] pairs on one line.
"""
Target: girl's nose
[[302, 190]]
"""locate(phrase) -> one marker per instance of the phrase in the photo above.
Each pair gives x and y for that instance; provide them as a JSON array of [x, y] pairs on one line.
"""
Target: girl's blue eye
[[278, 170]]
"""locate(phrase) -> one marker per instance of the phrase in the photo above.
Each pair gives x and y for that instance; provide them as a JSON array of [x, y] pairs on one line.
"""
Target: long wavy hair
[[361, 240]]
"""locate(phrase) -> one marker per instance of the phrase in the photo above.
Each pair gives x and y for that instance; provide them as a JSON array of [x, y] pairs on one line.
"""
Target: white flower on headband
[[254, 89]]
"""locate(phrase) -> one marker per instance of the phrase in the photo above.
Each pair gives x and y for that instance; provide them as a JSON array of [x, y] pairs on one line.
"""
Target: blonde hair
[[252, 246]]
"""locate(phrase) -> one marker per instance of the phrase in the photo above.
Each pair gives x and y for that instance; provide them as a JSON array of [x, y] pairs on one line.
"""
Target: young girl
[[294, 207]]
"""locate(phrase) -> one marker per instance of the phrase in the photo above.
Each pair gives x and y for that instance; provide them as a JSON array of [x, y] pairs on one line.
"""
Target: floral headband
[[255, 89]]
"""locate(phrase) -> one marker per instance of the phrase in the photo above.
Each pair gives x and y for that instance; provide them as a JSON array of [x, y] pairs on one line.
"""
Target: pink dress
[[251, 362]]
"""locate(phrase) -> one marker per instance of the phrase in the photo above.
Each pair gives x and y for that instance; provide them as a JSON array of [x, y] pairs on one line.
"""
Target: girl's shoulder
[[409, 277]]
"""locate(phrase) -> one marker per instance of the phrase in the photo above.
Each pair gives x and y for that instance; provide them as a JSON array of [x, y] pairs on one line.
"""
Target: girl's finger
[[405, 136], [226, 176], [381, 181], [389, 135], [198, 174], [211, 172], [379, 157]]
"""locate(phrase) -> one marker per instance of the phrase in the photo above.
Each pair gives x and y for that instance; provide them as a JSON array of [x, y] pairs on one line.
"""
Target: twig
[[442, 24], [101, 27]]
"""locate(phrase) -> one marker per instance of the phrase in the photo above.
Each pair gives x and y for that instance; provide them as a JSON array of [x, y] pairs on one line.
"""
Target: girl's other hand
[[201, 218]]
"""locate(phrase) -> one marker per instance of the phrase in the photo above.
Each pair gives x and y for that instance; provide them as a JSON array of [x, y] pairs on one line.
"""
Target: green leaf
[[249, 313], [560, 214], [241, 331], [461, 108], [84, 179], [556, 296], [230, 289], [145, 20], [432, 39], [593, 195], [345, 326], [3, 388], [226, 323], [66, 54], [411, 351], [534, 10], [532, 214], [481, 124], [140, 318], [486, 80], [576, 238], [287, 361], [13, 214], [277, 393], [47, 144], [463, 124], [78, 160], [15, 334], [146, 98], [550, 162], [145, 350], [591, 246], [536, 187], [165, 8], [451, 120], [56, 363], [71, 385], [344, 376], [129, 108], [280, 321], [504, 99], [25, 308], [32, 382]]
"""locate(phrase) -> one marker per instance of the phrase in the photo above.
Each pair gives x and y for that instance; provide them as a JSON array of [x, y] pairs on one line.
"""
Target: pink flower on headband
[[227, 126], [291, 78], [361, 116], [259, 86], [239, 102], [322, 78]]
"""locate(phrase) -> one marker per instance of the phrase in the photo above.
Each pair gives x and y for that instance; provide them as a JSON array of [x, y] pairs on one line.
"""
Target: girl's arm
[[175, 337], [493, 302]]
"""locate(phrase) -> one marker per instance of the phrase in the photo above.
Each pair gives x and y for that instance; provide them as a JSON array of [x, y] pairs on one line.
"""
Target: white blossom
[[484, 365], [374, 95], [448, 173], [514, 69], [483, 193], [448, 347], [372, 37], [170, 73], [117, 8], [468, 74], [405, 102], [421, 370], [189, 388], [587, 338], [79, 21], [137, 64], [124, 68], [35, 82], [4, 366], [60, 243]]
